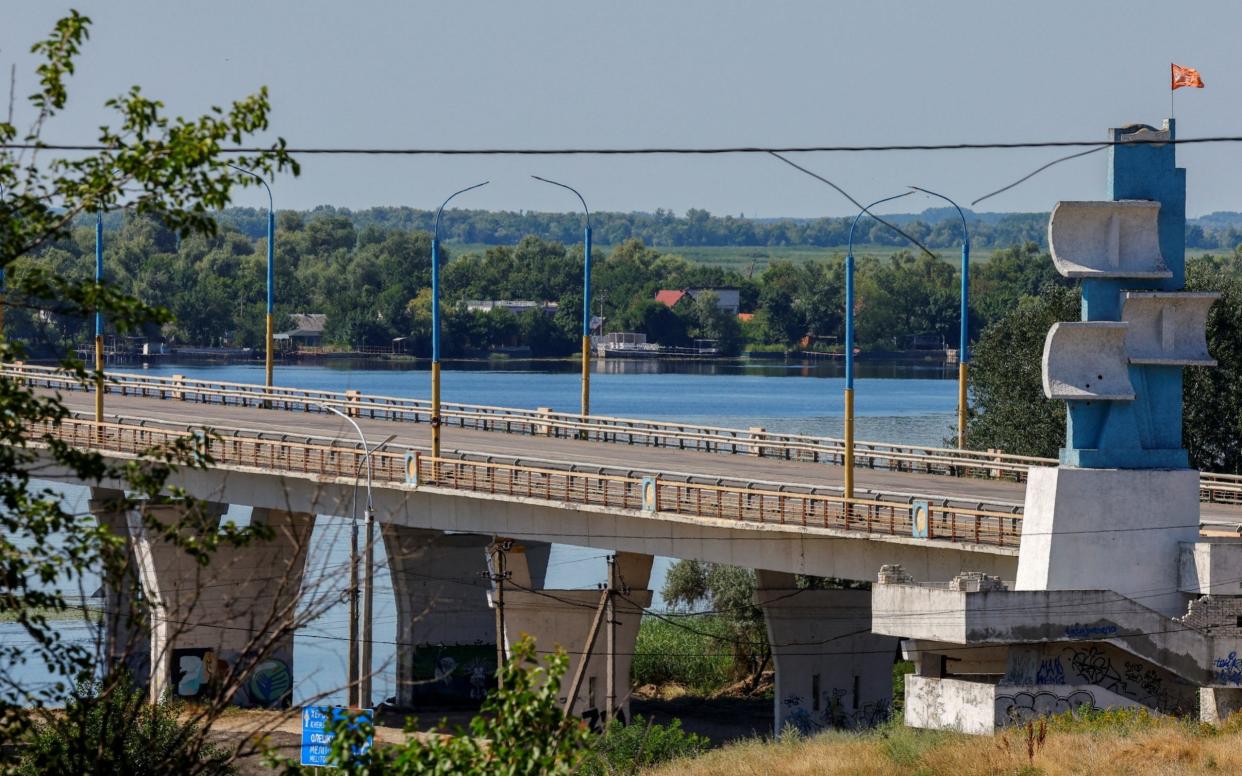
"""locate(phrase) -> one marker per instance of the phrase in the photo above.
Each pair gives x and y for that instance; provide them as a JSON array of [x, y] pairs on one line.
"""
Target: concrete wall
[[229, 623], [980, 708], [446, 633], [127, 637], [1211, 567], [1109, 529], [831, 671]]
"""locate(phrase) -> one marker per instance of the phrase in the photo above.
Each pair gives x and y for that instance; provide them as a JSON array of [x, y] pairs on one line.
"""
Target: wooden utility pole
[[610, 638], [499, 547]]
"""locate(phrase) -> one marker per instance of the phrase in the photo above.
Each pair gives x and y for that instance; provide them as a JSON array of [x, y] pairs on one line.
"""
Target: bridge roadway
[[995, 494]]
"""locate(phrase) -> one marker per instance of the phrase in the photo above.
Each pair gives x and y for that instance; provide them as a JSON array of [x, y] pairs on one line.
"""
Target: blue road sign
[[317, 735]]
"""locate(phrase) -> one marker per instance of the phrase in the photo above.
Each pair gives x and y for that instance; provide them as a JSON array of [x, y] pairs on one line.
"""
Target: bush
[[665, 653], [629, 748], [113, 729]]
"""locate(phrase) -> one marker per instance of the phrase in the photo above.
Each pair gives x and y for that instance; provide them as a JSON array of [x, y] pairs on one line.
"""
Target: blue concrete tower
[[1132, 269]]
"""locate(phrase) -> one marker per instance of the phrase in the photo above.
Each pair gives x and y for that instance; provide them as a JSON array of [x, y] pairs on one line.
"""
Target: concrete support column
[[446, 633], [831, 670], [126, 638], [227, 625], [563, 618]]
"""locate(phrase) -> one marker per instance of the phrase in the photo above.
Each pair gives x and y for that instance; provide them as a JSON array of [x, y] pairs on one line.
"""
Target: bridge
[[638, 488]]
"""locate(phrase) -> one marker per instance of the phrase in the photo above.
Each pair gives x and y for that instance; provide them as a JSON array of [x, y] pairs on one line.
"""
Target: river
[[894, 402]]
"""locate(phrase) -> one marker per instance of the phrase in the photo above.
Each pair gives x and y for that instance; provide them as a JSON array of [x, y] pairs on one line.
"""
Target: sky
[[556, 73]]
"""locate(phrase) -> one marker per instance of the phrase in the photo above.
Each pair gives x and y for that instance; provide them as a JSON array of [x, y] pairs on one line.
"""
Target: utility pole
[[498, 576], [610, 643], [354, 688]]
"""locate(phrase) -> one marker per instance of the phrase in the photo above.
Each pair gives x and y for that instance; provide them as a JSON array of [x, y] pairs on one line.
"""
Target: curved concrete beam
[[1086, 361], [1106, 240], [1168, 328]]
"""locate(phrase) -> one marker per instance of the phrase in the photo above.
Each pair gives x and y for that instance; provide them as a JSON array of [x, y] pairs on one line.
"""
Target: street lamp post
[[849, 348], [271, 274], [963, 348], [360, 659], [586, 297], [435, 325], [99, 322]]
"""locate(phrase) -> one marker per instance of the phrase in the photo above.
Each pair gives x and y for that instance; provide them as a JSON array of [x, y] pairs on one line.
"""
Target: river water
[[906, 403]]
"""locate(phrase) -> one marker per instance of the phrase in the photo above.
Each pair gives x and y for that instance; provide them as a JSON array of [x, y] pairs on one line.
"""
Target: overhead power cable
[[657, 150]]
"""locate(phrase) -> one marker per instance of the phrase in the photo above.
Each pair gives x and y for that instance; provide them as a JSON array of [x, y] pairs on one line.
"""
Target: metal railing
[[1216, 488], [792, 505]]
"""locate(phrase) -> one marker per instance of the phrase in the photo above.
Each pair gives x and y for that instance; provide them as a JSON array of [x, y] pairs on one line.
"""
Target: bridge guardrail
[[1217, 488], [754, 503]]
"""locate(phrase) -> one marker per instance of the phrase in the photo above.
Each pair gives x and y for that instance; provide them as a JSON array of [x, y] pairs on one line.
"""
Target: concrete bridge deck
[[992, 494]]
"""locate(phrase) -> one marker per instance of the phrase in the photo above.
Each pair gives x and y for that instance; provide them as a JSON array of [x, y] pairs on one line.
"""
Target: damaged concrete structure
[[1117, 601]]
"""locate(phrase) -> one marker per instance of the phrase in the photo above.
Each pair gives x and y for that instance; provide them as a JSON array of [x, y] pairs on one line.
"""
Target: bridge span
[[531, 479]]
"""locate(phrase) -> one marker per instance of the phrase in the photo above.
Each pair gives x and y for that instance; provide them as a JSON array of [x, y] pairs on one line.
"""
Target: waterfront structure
[[1117, 600]]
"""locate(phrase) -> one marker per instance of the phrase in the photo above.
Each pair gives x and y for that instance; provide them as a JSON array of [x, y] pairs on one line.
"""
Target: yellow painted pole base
[[268, 366], [435, 416], [849, 445], [99, 379], [586, 378], [963, 370]]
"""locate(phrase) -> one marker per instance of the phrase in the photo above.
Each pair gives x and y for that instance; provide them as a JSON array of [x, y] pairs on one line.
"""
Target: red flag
[[1186, 76]]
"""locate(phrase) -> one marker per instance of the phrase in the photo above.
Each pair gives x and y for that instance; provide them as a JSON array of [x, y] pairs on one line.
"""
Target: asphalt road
[[992, 493]]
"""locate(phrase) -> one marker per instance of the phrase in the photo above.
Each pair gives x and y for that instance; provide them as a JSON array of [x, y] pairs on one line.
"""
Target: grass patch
[[667, 654], [1119, 741]]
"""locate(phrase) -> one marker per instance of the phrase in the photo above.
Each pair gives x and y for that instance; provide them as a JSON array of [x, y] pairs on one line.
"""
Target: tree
[[717, 324], [1212, 405], [730, 592], [1008, 410], [520, 729], [171, 170]]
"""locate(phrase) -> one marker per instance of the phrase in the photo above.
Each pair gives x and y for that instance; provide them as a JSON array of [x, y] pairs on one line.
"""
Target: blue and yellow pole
[[435, 323], [963, 347], [99, 322], [586, 297], [849, 347], [268, 338]]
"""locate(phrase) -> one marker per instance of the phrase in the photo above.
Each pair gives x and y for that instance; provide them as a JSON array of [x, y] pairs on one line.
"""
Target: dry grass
[[1140, 746]]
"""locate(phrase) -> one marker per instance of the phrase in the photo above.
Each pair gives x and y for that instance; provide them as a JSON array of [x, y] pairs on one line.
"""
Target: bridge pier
[[127, 639], [446, 633], [563, 618], [831, 670], [229, 623]]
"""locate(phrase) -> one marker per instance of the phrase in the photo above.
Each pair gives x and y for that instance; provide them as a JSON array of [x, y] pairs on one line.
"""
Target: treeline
[[373, 284], [937, 228]]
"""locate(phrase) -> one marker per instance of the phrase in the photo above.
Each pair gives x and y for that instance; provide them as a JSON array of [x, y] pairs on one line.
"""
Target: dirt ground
[[719, 719]]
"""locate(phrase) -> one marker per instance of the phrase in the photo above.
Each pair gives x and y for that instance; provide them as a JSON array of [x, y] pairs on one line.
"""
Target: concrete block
[[830, 671], [1106, 240], [1168, 328], [1109, 529], [1086, 360], [1211, 567]]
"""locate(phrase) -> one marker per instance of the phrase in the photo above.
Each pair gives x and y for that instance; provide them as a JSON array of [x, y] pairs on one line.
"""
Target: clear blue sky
[[711, 72]]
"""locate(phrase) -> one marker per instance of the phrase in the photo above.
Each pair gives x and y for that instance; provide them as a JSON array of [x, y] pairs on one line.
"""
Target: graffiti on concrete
[[833, 713], [1080, 631], [198, 671], [1024, 706], [453, 672], [1228, 669], [1093, 666], [270, 685], [1138, 681], [1050, 671]]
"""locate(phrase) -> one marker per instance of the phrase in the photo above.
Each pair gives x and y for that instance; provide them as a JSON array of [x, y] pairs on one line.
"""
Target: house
[[515, 306], [727, 299], [307, 331]]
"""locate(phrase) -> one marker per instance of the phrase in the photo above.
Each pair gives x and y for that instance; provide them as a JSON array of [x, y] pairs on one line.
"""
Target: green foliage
[[520, 730], [171, 174], [626, 749], [1212, 411], [1008, 409], [901, 669], [699, 659], [729, 591], [122, 732]]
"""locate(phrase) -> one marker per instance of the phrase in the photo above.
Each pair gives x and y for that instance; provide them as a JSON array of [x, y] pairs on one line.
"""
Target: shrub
[[629, 748], [113, 729], [665, 653]]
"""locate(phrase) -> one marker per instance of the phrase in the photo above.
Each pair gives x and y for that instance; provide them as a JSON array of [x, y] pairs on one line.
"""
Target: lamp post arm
[[436, 233]]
